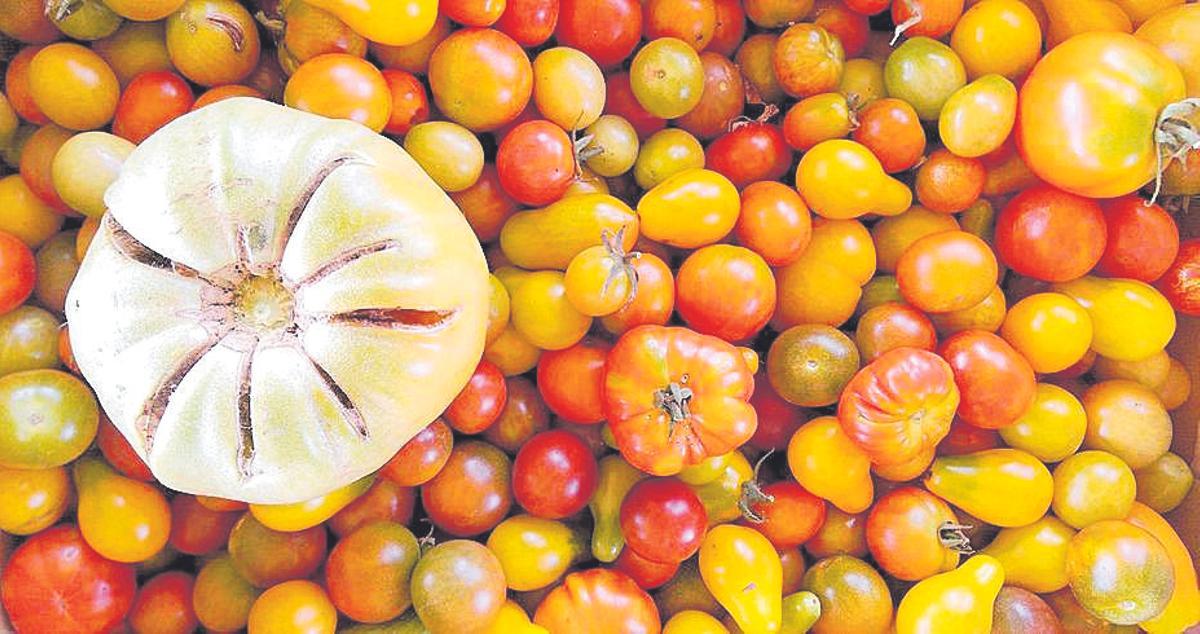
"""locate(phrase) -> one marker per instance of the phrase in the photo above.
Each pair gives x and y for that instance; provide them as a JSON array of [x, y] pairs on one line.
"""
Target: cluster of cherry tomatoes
[[842, 315]]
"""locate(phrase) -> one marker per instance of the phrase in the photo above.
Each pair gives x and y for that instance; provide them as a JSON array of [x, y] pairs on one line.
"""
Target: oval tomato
[[1033, 226], [911, 534], [480, 402], [1142, 239], [673, 397], [996, 383]]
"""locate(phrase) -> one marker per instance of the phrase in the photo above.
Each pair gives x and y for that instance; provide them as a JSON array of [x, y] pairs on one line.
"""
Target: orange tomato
[[480, 78], [37, 161], [828, 464], [891, 129], [73, 86], [654, 301], [949, 183], [220, 93], [1170, 31], [893, 325], [341, 86], [927, 18], [1068, 18], [817, 118], [947, 271], [812, 290], [894, 235], [774, 222], [726, 291], [16, 86], [808, 60], [905, 534], [293, 607], [123, 519]]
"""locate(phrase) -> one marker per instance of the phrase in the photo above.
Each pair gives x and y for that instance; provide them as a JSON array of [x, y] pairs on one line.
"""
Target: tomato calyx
[[912, 21], [753, 495], [59, 10], [622, 264], [952, 536], [673, 399], [1176, 134], [741, 121]]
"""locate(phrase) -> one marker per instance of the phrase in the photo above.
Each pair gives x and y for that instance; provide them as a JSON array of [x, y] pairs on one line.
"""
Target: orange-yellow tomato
[[1177, 387], [303, 515], [73, 86], [817, 118], [1051, 330], [846, 244], [691, 209], [135, 48], [947, 271], [543, 315], [1173, 32], [213, 42], [600, 279], [1068, 18], [1131, 320], [895, 234], [512, 353], [341, 86], [813, 290], [986, 315], [293, 607], [1150, 372], [977, 118], [1089, 110], [32, 499], [998, 36], [828, 464], [1091, 486], [842, 179], [123, 519], [1034, 556], [1052, 428], [391, 22]]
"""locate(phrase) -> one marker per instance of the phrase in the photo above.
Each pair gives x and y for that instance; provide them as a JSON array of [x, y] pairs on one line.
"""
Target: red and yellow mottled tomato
[[1033, 226], [808, 60], [1178, 282], [163, 605], [598, 601], [341, 86], [907, 534], [996, 383], [480, 78], [893, 325]]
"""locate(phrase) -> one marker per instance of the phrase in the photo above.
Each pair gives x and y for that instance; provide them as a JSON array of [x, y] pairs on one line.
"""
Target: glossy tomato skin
[[471, 494], [647, 573], [480, 78], [899, 405], [149, 102], [20, 272], [673, 397], [1142, 239], [1033, 226], [606, 30], [164, 605], [655, 299], [903, 534], [663, 520], [196, 529], [1178, 283], [792, 516], [422, 457], [750, 152], [554, 475], [774, 222], [536, 162], [480, 402], [890, 128], [997, 384], [571, 381], [726, 291], [529, 22], [598, 600], [55, 580]]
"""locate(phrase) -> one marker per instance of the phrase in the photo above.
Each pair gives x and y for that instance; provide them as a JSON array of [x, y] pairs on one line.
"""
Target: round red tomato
[[480, 78], [536, 162], [197, 529], [750, 152], [410, 103], [908, 534], [571, 381], [480, 402], [777, 418], [422, 457], [471, 494], [891, 129], [524, 415], [790, 516], [554, 475], [726, 291], [654, 301], [893, 325], [164, 605], [997, 384], [607, 30], [529, 22], [673, 397], [900, 405], [18, 272], [1049, 234], [55, 581], [663, 520], [149, 102], [1179, 283], [1142, 239]]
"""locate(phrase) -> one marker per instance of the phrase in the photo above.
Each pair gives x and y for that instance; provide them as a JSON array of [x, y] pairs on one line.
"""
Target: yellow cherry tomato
[[694, 622], [842, 179], [85, 166], [512, 619], [1091, 486], [742, 571], [998, 36], [289, 518], [534, 552], [512, 353], [9, 121], [292, 607], [1183, 609], [1127, 420], [665, 154], [959, 601], [1163, 484], [1034, 556], [498, 308], [549, 238], [813, 291], [25, 215], [825, 461], [846, 244], [73, 86], [123, 519], [600, 279], [543, 315], [1051, 330], [1052, 428], [135, 48], [568, 87], [691, 209], [1131, 320], [978, 117], [1003, 487], [391, 22], [32, 499]]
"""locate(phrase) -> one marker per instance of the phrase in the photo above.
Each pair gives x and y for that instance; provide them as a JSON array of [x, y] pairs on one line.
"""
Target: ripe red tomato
[[480, 402], [18, 272], [904, 534], [536, 162], [524, 415], [529, 22], [730, 29], [422, 457], [900, 405], [726, 291], [851, 28], [891, 129], [119, 453], [619, 100], [197, 529], [473, 12], [750, 152], [1034, 227], [654, 301], [1179, 284], [648, 574], [1142, 239], [792, 516], [777, 418], [554, 475], [384, 501], [149, 102], [663, 520], [163, 605], [410, 104], [55, 580], [571, 381], [893, 325], [606, 30], [997, 384], [926, 18], [471, 494], [723, 99], [673, 397]]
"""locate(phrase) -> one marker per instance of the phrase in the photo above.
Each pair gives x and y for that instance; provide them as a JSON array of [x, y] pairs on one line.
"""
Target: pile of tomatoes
[[843, 315]]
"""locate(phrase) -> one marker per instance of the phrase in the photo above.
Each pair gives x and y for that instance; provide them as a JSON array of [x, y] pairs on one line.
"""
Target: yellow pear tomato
[[842, 179], [742, 571], [1034, 556], [1131, 320], [1003, 487], [959, 601], [827, 463], [690, 209]]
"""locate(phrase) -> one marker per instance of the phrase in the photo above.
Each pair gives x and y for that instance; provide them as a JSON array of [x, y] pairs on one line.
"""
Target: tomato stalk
[[951, 535], [752, 494], [912, 21], [673, 399], [622, 263], [1175, 135]]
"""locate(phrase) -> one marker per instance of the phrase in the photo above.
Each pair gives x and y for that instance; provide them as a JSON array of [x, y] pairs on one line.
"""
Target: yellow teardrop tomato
[[1003, 487], [959, 601], [32, 499], [615, 479], [691, 209], [1091, 486], [998, 36], [1051, 330], [543, 315], [548, 238], [1183, 609], [512, 620], [1131, 320], [842, 179], [289, 518], [742, 571], [1034, 556], [694, 622], [1052, 428], [534, 552], [123, 519], [978, 117], [825, 461], [1172, 31], [391, 22]]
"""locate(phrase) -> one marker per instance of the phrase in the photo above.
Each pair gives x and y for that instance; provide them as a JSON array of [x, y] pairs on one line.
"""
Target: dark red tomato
[[890, 128], [663, 520], [1035, 227], [790, 518], [471, 494], [1181, 283], [868, 7], [965, 439], [619, 100], [904, 534], [385, 501], [163, 605], [554, 475], [995, 382], [692, 21], [524, 415], [529, 22], [410, 102], [149, 102], [480, 402], [753, 151], [723, 99], [893, 325], [777, 418], [197, 529], [571, 381], [18, 272], [422, 457], [1142, 239], [119, 453], [607, 30], [852, 28], [536, 162], [730, 29], [473, 12], [55, 582], [646, 573]]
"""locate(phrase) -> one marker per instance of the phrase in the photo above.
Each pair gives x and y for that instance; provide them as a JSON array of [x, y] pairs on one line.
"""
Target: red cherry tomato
[[529, 22], [607, 30], [726, 291], [471, 494], [473, 12], [904, 534], [410, 103], [149, 102], [852, 28], [480, 402], [730, 29], [777, 418], [571, 381], [1179, 284], [663, 520], [536, 162], [422, 457], [1034, 229], [619, 100], [750, 152], [119, 453], [890, 128], [792, 516], [197, 529], [997, 384], [1142, 239], [18, 272], [554, 475]]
